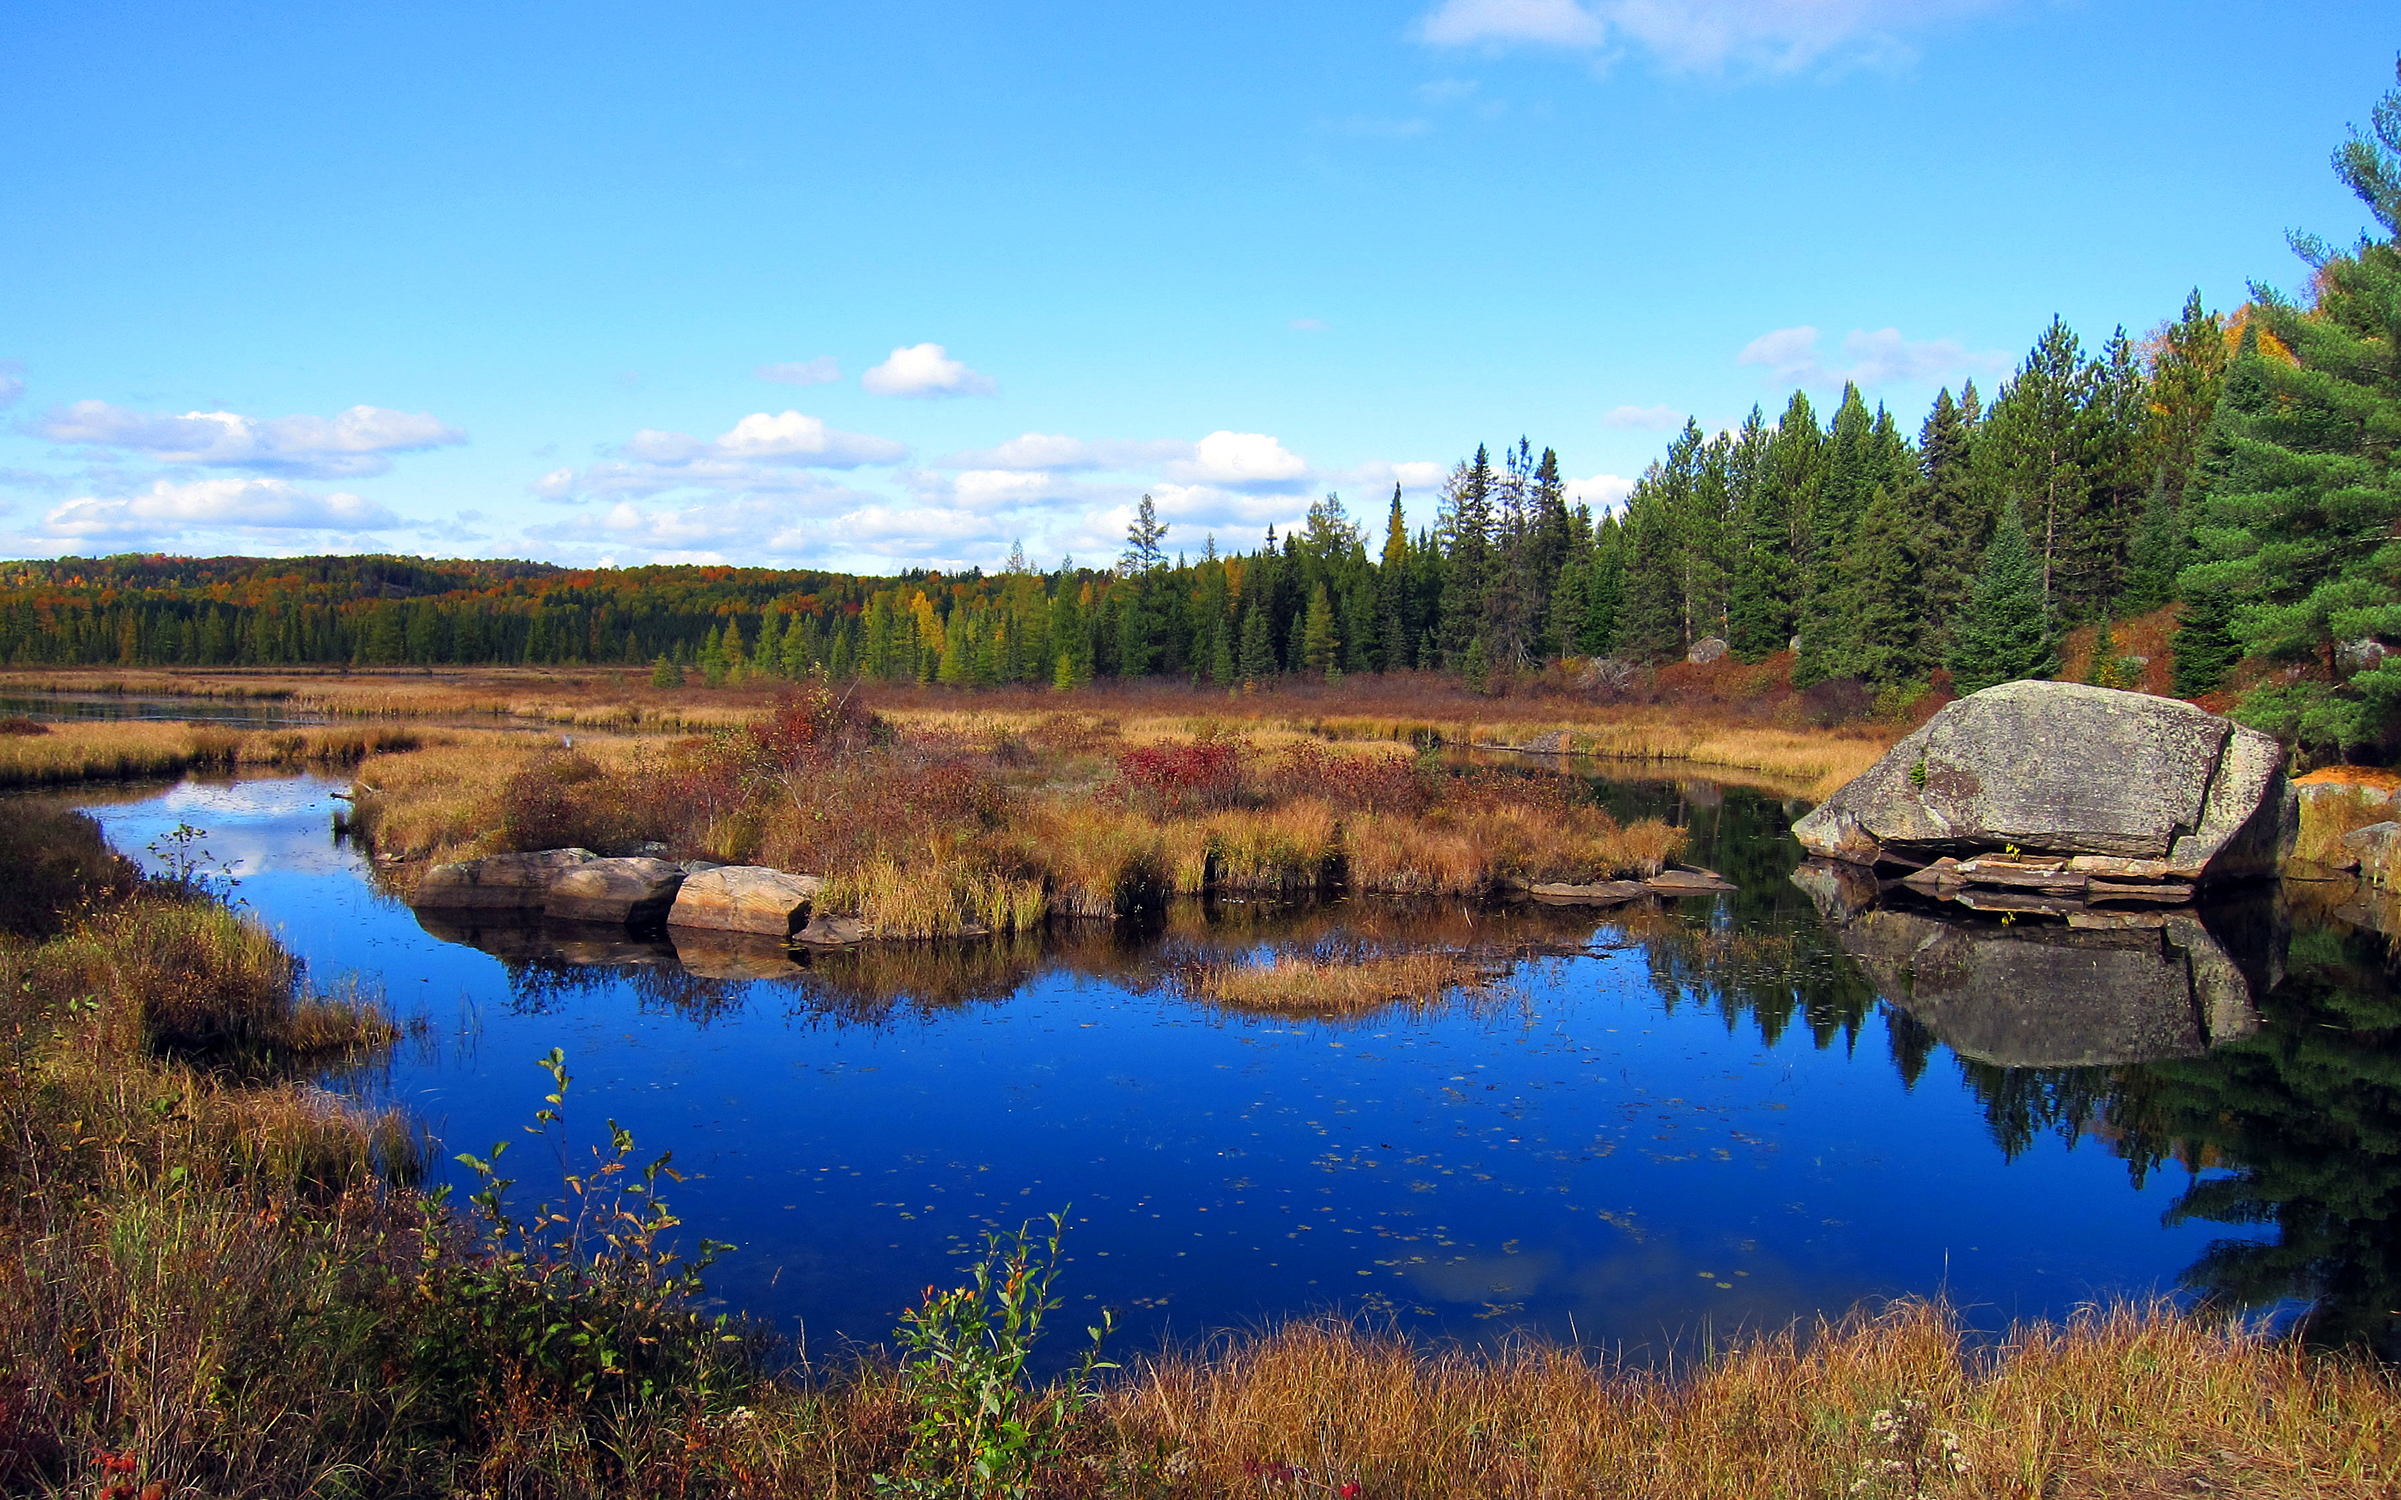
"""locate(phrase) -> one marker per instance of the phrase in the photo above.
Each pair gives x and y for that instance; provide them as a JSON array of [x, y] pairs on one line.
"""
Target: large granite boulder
[[2057, 768], [638, 889], [502, 882], [745, 898]]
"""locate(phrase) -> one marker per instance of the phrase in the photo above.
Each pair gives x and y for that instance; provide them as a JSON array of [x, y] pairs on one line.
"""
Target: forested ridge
[[2237, 463]]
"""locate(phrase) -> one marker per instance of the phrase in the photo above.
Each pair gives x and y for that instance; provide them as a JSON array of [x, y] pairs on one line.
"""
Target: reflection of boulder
[[517, 941], [732, 955], [575, 944], [2112, 988], [2062, 769]]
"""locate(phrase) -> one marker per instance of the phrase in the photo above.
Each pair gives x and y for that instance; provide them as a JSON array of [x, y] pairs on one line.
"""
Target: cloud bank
[[350, 444], [1703, 36]]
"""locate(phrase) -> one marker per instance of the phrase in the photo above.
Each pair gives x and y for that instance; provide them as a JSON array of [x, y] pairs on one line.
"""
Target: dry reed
[[2121, 1402], [1347, 985]]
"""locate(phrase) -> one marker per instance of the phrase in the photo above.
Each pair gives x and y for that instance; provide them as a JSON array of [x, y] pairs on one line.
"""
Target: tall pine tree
[[2005, 632]]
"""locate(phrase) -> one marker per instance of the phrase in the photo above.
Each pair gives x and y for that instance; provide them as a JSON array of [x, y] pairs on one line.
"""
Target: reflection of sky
[[1587, 1160]]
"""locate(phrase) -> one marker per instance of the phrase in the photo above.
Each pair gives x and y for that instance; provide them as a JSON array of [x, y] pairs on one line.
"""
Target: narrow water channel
[[1702, 1116]]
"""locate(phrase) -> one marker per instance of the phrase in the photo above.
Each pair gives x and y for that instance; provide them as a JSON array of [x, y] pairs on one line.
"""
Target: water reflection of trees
[[1758, 956], [2291, 1132]]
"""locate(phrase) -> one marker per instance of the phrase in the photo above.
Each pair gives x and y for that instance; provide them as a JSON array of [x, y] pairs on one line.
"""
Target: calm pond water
[[1690, 1117]]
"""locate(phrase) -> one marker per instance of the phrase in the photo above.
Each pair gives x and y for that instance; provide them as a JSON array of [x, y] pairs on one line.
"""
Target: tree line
[[2238, 464]]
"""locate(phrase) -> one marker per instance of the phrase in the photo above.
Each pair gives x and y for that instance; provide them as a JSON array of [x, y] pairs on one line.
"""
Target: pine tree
[[666, 674], [1394, 614], [2037, 443], [1828, 623], [1221, 660], [1886, 594], [1475, 665], [1143, 535], [1258, 646], [2103, 671], [2301, 500], [2005, 633], [1466, 544], [1759, 595], [1321, 646], [2156, 554], [1650, 626], [1950, 520], [2205, 648]]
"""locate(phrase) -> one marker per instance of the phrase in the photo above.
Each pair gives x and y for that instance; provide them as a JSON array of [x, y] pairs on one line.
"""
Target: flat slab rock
[[639, 889], [2057, 768], [501, 882], [744, 898]]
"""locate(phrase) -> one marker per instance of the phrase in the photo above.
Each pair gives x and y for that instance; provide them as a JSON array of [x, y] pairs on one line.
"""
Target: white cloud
[[1881, 357], [819, 371], [350, 444], [168, 508], [756, 453], [1771, 36], [1043, 450], [1643, 418], [1555, 23], [12, 381], [790, 437], [1603, 492], [925, 370], [1240, 458]]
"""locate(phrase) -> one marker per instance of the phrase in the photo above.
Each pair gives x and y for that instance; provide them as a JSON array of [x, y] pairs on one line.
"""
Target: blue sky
[[869, 286]]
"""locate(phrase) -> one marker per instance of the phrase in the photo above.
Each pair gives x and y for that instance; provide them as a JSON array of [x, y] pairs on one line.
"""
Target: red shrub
[[812, 723], [1355, 783], [1168, 781]]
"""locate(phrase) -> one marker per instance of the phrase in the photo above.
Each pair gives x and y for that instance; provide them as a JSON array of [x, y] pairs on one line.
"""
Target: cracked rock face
[[2063, 769]]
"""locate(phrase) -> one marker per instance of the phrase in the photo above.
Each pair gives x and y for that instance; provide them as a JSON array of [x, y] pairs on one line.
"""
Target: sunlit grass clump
[[1343, 984]]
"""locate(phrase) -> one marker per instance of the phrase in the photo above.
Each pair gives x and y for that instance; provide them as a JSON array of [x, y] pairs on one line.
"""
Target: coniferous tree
[[2005, 632], [1828, 625], [2205, 649], [2156, 554], [1951, 525], [2302, 502], [1258, 648], [1466, 544], [1759, 595], [1650, 625], [2038, 438], [1395, 592], [1604, 591], [1321, 645], [1886, 594], [2102, 671]]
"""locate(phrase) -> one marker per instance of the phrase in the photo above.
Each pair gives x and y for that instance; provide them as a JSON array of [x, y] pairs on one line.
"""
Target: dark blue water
[[1700, 1117]]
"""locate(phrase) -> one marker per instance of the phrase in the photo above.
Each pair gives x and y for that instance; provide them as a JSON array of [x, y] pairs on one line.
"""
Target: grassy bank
[[932, 828], [216, 1279], [122, 749]]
